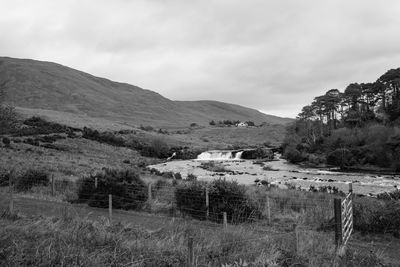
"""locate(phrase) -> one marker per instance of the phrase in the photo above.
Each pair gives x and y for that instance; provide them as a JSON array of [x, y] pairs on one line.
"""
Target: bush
[[376, 216], [127, 189], [4, 177], [31, 178], [191, 177], [168, 175], [340, 157], [293, 155], [6, 141], [103, 137], [178, 176], [224, 196], [158, 148]]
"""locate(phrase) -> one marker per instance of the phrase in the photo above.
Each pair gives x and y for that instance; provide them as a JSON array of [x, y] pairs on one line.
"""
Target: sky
[[271, 55]]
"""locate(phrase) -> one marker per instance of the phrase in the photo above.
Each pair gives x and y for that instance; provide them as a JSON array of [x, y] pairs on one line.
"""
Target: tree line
[[362, 115]]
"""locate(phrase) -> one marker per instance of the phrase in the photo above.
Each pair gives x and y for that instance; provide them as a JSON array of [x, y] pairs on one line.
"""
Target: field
[[67, 228]]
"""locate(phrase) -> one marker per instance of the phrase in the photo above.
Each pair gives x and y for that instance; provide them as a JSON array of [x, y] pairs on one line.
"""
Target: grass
[[68, 240], [81, 157]]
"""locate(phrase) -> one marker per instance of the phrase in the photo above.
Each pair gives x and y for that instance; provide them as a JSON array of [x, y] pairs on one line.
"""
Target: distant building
[[242, 124]]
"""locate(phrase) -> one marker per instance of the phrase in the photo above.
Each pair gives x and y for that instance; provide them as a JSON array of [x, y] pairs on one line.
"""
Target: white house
[[242, 124]]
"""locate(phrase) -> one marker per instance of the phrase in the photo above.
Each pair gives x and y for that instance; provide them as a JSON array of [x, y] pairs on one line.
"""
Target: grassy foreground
[[70, 241]]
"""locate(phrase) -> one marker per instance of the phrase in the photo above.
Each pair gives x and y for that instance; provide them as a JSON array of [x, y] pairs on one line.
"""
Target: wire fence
[[301, 226]]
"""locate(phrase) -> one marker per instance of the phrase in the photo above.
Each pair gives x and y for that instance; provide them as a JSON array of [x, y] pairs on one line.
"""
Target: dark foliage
[[376, 216], [157, 148], [224, 196], [127, 189], [30, 178], [103, 137], [37, 125], [6, 141], [356, 128]]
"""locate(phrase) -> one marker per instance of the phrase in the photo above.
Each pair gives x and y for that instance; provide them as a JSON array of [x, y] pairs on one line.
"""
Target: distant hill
[[40, 87]]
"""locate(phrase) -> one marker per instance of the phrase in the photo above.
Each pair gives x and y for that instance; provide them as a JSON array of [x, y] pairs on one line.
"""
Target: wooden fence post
[[268, 210], [225, 220], [110, 207], [338, 221], [95, 182], [296, 231], [11, 188], [190, 256], [52, 185], [207, 205], [149, 192]]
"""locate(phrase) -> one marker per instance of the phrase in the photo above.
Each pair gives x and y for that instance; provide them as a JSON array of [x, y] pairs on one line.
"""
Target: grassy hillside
[[37, 87]]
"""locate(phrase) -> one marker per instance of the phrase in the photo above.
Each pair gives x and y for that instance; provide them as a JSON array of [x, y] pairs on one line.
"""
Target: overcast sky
[[274, 56]]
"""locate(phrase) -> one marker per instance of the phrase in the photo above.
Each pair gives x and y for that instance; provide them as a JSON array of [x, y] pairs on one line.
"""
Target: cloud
[[274, 56]]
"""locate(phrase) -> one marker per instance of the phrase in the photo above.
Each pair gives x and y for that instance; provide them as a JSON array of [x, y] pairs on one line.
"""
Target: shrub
[[168, 175], [31, 178], [191, 177], [126, 187], [376, 216], [224, 196], [293, 155], [158, 148], [6, 141], [340, 157], [4, 177], [103, 137], [178, 176]]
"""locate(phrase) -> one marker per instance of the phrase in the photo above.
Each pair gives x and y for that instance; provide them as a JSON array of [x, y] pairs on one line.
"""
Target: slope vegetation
[[38, 87]]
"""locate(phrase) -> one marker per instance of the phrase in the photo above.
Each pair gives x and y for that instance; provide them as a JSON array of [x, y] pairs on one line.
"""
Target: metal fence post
[[338, 221], [110, 207]]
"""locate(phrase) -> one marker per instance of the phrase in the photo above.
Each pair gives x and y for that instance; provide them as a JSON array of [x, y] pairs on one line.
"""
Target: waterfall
[[220, 155], [238, 155]]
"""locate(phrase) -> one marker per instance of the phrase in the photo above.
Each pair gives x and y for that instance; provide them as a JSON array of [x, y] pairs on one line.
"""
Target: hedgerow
[[224, 196], [127, 189]]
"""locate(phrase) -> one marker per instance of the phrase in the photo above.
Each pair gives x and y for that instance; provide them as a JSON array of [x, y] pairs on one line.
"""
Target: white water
[[281, 172], [220, 155]]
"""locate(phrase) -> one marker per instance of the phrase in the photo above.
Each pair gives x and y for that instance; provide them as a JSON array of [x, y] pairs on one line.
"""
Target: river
[[280, 172]]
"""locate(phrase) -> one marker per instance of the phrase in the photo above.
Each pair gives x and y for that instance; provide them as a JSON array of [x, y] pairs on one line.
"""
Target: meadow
[[291, 227]]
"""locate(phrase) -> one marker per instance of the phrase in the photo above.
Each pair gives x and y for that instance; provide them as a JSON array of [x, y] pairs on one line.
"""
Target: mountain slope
[[37, 85]]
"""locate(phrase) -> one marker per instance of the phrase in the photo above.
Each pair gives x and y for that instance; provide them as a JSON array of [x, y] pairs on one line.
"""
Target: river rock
[[258, 153]]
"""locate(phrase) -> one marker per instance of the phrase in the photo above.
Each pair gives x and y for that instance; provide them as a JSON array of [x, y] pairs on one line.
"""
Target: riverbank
[[282, 174]]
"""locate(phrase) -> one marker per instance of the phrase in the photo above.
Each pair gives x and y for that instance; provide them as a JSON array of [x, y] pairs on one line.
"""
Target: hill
[[57, 91]]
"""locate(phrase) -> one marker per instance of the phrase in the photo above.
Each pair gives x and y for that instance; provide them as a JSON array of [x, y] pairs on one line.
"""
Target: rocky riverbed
[[281, 173]]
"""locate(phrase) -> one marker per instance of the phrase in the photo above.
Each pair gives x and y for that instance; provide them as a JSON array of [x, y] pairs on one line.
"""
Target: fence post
[[351, 188], [296, 231], [268, 210], [11, 188], [95, 182], [338, 221], [110, 207], [149, 192], [52, 185], [207, 204], [190, 255], [225, 220]]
